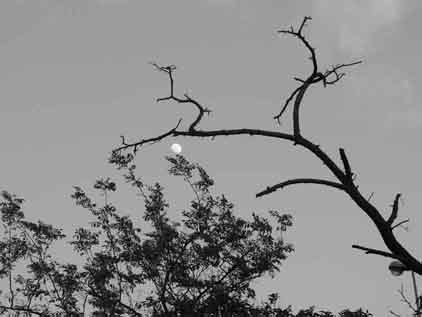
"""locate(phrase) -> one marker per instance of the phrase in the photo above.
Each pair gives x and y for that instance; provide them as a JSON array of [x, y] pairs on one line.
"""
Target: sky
[[75, 75]]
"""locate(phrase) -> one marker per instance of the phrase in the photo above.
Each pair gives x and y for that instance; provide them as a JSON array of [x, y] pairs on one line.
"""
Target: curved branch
[[278, 116], [300, 36], [281, 185], [297, 103], [201, 110]]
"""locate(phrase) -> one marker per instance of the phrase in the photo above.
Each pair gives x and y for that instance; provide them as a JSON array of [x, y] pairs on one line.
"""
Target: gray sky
[[75, 75]]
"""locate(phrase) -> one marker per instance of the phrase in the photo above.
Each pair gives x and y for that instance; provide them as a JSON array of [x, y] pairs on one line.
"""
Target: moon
[[176, 148]]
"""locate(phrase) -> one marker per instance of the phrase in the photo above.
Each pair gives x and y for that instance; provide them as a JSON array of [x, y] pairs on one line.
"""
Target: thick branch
[[297, 103], [271, 189]]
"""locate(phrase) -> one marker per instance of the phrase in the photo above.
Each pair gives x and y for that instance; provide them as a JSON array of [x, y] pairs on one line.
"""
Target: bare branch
[[144, 141], [300, 91], [335, 70], [297, 103], [346, 164], [300, 36], [271, 189], [278, 116], [395, 210], [201, 110], [313, 78], [399, 224], [169, 70], [378, 252], [306, 18]]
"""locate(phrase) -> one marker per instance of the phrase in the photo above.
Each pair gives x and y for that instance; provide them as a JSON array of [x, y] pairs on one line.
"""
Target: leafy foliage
[[201, 266]]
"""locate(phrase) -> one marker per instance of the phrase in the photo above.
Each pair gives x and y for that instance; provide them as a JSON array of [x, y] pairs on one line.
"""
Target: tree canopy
[[201, 266]]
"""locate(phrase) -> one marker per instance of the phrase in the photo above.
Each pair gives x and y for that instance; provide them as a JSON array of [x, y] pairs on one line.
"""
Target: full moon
[[176, 148]]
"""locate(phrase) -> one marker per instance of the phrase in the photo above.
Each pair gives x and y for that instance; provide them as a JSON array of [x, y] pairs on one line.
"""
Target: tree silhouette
[[205, 268], [344, 177], [201, 266]]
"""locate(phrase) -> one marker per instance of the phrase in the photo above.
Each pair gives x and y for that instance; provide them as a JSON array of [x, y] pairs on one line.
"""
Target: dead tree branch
[[169, 70], [135, 146], [375, 251], [313, 78], [344, 178], [281, 185]]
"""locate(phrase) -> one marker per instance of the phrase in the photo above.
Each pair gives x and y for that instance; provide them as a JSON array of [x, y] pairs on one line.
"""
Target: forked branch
[[169, 71], [329, 77]]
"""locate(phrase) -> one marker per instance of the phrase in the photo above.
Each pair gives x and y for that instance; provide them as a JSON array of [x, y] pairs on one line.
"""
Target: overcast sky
[[75, 75]]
